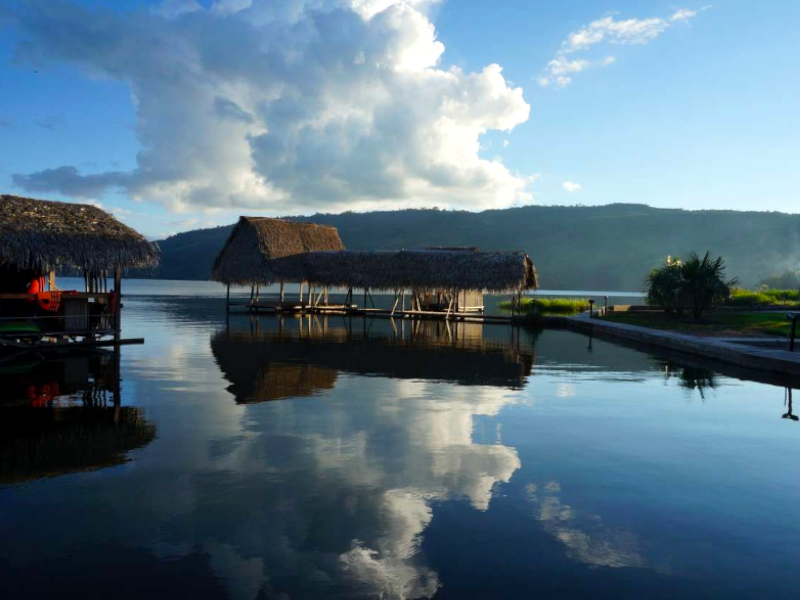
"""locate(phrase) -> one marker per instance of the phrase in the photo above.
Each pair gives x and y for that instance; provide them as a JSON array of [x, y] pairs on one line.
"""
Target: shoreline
[[733, 351]]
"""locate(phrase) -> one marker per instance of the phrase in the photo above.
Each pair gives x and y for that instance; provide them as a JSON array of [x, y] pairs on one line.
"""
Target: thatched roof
[[423, 269], [41, 234], [263, 250]]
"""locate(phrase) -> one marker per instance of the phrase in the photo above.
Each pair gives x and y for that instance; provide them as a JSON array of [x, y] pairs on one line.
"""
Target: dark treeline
[[607, 247]]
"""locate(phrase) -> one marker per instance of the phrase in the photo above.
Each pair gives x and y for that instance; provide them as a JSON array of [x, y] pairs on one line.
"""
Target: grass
[[552, 306], [740, 297], [712, 323]]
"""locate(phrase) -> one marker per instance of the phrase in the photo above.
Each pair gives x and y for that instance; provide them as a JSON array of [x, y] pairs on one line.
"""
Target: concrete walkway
[[774, 358]]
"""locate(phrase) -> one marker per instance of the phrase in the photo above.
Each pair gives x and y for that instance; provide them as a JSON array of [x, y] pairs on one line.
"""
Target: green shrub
[[561, 306], [740, 297]]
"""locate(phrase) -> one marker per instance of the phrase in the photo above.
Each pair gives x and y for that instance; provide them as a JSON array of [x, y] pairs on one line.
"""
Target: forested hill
[[607, 247]]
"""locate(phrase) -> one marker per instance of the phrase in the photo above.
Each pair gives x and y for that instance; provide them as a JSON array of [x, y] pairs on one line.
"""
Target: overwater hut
[[451, 280], [261, 251], [39, 238]]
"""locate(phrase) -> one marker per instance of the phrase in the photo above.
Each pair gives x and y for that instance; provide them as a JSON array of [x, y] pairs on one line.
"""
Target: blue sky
[[167, 115]]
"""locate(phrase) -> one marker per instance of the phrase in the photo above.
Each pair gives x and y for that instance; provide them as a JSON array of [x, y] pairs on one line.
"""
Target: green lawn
[[711, 324], [552, 306]]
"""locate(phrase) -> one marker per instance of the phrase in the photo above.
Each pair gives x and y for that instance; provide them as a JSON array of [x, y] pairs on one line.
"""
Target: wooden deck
[[262, 307]]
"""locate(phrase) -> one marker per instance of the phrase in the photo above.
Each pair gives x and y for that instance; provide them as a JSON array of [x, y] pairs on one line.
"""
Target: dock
[[297, 307]]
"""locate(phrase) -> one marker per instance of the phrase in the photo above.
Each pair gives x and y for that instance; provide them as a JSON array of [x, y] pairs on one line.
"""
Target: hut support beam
[[450, 306], [118, 305], [228, 299], [396, 300], [282, 292]]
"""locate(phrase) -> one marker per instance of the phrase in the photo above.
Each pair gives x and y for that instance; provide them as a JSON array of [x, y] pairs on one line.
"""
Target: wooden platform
[[354, 310]]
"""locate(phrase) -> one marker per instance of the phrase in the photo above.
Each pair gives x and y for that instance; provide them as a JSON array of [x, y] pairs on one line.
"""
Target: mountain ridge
[[574, 247]]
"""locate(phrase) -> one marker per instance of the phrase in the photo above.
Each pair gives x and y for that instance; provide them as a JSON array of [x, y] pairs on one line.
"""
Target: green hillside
[[606, 247]]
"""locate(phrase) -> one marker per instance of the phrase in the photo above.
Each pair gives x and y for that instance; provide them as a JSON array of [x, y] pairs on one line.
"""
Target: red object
[[36, 287], [49, 301], [44, 394]]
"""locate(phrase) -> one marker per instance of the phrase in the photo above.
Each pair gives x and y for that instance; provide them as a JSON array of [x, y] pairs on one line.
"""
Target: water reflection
[[413, 463], [277, 358], [64, 415]]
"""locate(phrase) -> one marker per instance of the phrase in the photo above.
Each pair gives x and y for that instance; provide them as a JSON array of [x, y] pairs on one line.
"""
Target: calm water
[[332, 458]]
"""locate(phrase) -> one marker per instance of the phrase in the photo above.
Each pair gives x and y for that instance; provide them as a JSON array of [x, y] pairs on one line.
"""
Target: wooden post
[[282, 294], [118, 307], [228, 299], [301, 292], [365, 298], [449, 307], [52, 281], [396, 300]]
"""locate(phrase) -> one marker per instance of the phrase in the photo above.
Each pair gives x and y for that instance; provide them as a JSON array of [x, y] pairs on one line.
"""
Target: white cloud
[[684, 14], [285, 106], [571, 187], [607, 30]]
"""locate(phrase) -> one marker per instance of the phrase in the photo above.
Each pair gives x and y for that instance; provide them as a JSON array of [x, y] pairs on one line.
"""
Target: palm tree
[[704, 283], [696, 284]]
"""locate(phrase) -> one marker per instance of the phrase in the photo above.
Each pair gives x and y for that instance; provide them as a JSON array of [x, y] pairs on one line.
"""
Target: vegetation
[[579, 248], [553, 306], [732, 323], [741, 297], [694, 284]]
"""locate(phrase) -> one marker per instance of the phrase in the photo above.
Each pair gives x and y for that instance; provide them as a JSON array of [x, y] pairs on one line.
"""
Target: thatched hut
[[454, 278], [262, 251], [40, 237]]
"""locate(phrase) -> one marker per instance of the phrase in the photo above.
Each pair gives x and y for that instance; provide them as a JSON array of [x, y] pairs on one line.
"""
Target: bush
[[695, 284], [740, 297]]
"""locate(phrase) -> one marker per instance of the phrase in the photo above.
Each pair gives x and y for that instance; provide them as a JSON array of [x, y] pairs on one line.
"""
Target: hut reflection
[[287, 357], [64, 416]]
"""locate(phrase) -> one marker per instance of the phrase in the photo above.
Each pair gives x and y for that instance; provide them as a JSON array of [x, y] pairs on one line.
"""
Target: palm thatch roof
[[445, 269], [261, 250], [43, 235]]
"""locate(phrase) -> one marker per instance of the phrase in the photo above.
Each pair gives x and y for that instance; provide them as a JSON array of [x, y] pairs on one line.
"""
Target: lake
[[295, 458]]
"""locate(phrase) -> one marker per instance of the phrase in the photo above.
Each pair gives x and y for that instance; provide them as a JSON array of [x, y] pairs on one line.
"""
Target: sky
[[181, 114]]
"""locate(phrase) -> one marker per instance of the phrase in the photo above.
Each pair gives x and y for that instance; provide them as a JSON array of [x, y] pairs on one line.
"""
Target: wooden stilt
[[282, 292], [365, 297], [118, 306], [228, 299], [301, 292], [396, 300]]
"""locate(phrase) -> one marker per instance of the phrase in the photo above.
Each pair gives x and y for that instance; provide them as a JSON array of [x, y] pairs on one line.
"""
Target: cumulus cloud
[[607, 30], [571, 187], [284, 105]]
